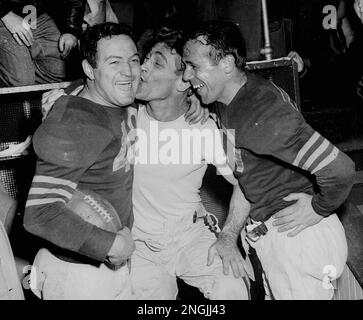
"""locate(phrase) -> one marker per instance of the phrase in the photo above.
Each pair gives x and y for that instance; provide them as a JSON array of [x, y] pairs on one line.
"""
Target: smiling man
[[293, 177], [171, 237], [84, 144]]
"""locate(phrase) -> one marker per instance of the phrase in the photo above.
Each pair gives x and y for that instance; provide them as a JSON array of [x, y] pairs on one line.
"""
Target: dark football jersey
[[85, 145], [275, 152]]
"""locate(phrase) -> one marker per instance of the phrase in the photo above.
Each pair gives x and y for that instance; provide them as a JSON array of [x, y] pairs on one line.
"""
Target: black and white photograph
[[181, 154]]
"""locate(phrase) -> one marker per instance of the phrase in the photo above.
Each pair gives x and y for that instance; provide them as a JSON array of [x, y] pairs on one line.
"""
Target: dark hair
[[225, 38], [173, 39], [93, 34]]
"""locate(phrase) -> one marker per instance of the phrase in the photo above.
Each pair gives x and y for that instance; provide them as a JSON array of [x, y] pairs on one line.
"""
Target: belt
[[255, 229]]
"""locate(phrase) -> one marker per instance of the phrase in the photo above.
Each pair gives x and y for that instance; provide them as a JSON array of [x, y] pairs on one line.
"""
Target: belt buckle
[[254, 232]]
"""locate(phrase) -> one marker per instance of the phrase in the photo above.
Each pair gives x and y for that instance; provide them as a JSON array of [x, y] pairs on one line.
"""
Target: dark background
[[303, 33], [327, 91]]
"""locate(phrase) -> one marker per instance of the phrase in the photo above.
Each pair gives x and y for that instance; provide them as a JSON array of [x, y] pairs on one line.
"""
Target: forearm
[[62, 227], [335, 181], [74, 16], [238, 212]]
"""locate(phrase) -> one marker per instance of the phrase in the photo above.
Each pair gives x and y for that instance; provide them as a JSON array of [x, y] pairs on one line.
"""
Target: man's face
[[159, 76], [358, 7], [207, 78], [117, 74]]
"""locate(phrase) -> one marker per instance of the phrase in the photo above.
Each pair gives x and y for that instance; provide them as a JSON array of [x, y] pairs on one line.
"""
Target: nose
[[188, 74], [144, 66], [126, 69]]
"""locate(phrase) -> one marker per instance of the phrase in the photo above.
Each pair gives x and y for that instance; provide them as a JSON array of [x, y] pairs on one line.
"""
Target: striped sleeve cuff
[[316, 154], [47, 190]]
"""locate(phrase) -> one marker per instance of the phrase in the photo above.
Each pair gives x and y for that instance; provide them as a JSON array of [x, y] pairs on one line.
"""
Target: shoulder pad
[[76, 145]]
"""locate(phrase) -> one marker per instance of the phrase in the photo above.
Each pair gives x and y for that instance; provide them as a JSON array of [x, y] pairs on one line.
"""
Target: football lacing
[[99, 208]]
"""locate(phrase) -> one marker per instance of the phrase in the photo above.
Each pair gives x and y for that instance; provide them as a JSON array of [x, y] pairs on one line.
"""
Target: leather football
[[94, 209]]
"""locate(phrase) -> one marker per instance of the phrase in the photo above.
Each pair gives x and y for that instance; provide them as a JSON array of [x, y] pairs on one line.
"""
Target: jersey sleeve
[[65, 151], [283, 133]]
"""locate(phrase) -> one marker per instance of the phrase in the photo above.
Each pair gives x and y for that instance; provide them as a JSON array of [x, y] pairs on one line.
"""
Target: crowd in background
[[327, 34]]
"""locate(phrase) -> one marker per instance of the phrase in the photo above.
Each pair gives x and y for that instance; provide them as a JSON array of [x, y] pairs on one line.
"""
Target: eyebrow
[[119, 57], [161, 55]]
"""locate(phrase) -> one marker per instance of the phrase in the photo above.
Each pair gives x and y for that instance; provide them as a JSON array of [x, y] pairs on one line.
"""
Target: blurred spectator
[[352, 26], [99, 11], [32, 49], [327, 34]]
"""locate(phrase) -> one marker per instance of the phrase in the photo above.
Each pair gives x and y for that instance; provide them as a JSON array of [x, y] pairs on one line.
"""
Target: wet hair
[[225, 38], [173, 39], [90, 38]]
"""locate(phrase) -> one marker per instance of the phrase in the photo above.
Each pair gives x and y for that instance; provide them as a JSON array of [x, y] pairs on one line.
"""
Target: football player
[[293, 177]]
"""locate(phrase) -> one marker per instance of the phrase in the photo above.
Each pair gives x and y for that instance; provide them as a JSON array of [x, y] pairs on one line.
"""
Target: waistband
[[174, 228]]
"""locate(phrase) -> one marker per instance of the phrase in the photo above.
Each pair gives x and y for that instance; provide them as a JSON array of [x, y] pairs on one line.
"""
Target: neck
[[90, 92], [169, 109], [233, 85]]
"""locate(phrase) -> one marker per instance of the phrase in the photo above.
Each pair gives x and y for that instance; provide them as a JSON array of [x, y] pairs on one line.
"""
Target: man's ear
[[182, 85], [228, 63], [88, 70]]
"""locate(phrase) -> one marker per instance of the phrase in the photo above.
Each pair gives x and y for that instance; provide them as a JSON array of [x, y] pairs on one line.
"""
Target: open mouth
[[124, 85], [198, 87]]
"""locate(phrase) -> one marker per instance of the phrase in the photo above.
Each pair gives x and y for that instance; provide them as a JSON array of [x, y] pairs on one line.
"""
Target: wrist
[[73, 31], [317, 208], [229, 235], [7, 15], [69, 35]]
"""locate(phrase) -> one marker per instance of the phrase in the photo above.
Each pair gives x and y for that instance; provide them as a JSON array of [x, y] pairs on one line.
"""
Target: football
[[94, 209]]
